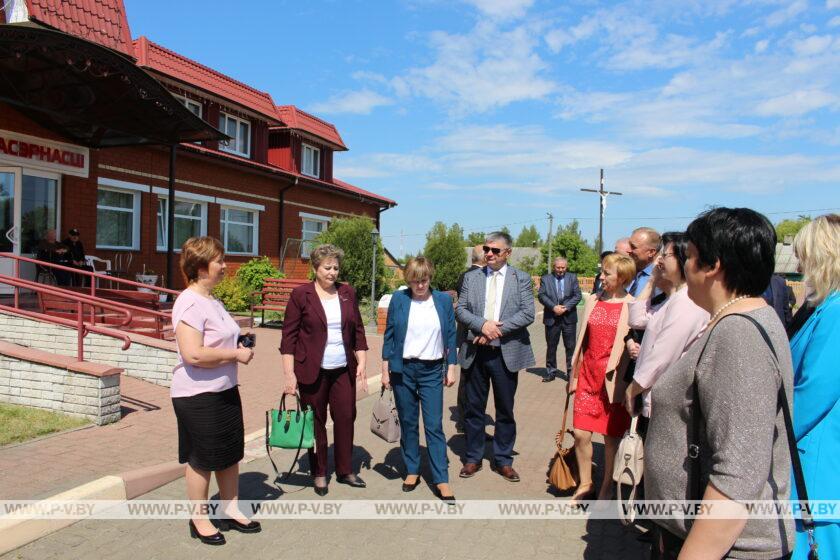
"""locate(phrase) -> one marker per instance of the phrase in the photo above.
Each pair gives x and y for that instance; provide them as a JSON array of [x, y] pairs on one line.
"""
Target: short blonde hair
[[817, 246], [198, 253], [625, 268], [419, 268], [323, 252]]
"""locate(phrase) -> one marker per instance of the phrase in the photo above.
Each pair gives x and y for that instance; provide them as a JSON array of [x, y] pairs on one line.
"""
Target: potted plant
[[148, 277]]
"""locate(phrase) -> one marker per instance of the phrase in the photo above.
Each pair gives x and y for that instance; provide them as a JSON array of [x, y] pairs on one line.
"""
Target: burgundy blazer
[[305, 330]]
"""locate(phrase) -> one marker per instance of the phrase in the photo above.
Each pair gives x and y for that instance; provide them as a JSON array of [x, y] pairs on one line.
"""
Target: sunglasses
[[494, 250]]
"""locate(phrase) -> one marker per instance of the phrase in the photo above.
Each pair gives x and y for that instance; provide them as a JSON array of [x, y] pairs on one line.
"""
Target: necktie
[[490, 300]]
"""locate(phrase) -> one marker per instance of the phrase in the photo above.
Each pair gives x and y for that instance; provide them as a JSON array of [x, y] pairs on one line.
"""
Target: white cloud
[[832, 4], [816, 44], [786, 14], [360, 102], [761, 46], [502, 9], [797, 103], [384, 164]]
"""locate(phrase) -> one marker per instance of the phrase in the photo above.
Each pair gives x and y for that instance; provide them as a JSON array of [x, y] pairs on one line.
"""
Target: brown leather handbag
[[562, 470]]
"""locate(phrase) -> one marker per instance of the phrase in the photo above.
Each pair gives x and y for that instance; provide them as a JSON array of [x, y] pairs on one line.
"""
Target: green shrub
[[352, 235], [253, 273], [233, 294]]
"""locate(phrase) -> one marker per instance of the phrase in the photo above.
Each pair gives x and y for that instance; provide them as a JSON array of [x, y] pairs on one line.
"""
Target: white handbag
[[628, 468], [384, 420]]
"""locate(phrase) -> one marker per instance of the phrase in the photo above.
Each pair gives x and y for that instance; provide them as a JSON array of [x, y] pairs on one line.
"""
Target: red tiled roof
[[336, 184], [301, 120], [155, 57], [100, 21]]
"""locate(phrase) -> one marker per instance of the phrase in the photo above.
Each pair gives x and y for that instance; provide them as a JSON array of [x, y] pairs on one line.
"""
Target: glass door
[[39, 216], [10, 178]]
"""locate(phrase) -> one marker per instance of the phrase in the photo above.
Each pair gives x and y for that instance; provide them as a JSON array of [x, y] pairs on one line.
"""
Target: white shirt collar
[[502, 271]]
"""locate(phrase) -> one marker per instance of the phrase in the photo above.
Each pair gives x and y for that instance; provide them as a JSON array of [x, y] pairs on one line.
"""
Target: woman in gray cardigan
[[728, 382]]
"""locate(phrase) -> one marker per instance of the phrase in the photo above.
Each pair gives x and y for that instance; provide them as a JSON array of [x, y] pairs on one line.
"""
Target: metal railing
[[82, 328]]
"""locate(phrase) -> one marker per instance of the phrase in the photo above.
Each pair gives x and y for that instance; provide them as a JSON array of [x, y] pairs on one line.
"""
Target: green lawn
[[21, 423]]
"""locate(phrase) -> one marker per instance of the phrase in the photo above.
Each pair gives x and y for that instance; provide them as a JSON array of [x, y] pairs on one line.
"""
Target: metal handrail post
[[80, 331]]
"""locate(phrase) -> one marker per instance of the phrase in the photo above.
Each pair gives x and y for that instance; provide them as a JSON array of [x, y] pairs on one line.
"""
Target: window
[[193, 106], [190, 221], [311, 161], [239, 231], [312, 226], [117, 219], [239, 132]]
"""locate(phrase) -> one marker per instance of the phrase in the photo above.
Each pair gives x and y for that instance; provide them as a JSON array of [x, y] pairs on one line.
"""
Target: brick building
[[265, 190]]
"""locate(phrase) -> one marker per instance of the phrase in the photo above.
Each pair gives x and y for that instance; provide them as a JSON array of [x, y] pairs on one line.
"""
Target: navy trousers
[[488, 369], [420, 386]]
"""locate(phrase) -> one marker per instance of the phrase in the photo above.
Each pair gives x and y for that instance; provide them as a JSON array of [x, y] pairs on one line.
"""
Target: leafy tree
[[475, 238], [528, 237], [505, 230], [233, 294], [253, 273], [529, 265], [352, 235], [445, 248], [790, 228], [568, 243]]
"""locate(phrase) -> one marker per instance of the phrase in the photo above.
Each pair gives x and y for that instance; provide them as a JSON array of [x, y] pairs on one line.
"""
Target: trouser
[[335, 388], [553, 333], [420, 385], [488, 368]]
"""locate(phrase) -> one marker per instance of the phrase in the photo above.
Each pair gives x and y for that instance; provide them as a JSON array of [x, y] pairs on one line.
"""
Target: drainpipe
[[170, 220], [281, 221]]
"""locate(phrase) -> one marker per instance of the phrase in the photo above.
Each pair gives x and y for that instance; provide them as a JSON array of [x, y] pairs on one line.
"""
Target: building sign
[[38, 153]]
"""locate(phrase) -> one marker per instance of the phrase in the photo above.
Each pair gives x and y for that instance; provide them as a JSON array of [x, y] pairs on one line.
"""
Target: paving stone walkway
[[537, 407]]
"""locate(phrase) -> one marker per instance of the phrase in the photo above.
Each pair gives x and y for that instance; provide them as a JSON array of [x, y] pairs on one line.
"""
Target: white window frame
[[310, 166], [224, 146], [188, 102], [202, 219], [255, 233], [305, 249], [135, 215]]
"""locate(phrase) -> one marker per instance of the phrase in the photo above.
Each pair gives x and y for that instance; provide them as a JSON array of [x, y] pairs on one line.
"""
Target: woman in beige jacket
[[598, 366]]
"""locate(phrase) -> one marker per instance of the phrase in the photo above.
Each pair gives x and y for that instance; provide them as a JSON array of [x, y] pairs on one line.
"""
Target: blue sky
[[494, 112]]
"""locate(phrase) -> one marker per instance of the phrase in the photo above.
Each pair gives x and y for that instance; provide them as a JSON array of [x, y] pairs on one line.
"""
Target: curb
[[15, 533]]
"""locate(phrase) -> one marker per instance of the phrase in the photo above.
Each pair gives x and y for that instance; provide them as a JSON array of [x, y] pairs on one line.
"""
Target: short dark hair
[[604, 254], [680, 243], [744, 242]]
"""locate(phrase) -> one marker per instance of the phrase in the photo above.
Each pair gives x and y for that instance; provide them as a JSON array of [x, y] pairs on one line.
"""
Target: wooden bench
[[274, 295]]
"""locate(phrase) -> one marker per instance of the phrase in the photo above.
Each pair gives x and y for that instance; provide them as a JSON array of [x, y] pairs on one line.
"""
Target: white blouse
[[334, 353], [423, 340]]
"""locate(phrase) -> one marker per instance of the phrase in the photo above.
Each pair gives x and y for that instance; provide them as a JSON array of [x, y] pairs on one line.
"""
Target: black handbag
[[695, 448]]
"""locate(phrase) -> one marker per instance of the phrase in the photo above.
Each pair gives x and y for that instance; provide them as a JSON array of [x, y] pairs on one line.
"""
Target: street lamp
[[373, 234]]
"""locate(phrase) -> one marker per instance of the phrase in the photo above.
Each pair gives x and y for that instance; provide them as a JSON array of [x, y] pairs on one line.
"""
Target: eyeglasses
[[494, 250]]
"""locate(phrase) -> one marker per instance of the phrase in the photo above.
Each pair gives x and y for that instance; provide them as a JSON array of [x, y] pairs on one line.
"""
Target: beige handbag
[[628, 469], [562, 469], [384, 421]]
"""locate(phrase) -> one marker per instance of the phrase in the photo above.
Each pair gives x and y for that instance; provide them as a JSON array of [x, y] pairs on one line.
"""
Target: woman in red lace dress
[[598, 366]]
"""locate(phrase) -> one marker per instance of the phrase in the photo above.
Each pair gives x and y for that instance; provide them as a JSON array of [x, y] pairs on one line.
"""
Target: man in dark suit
[[559, 293], [777, 295], [476, 261]]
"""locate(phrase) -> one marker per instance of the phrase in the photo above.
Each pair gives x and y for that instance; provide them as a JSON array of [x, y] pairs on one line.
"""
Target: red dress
[[593, 411]]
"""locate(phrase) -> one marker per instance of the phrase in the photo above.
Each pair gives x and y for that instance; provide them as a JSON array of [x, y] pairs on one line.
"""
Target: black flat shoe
[[216, 539], [351, 480], [322, 490], [228, 524], [409, 487], [450, 499]]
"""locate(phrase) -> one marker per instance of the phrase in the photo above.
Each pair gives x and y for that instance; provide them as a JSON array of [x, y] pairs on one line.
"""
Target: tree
[[528, 237], [352, 235], [568, 243], [475, 238], [529, 265], [445, 248], [789, 228]]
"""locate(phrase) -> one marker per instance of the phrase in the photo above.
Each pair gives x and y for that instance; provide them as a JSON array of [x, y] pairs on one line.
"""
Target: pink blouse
[[209, 317], [671, 329]]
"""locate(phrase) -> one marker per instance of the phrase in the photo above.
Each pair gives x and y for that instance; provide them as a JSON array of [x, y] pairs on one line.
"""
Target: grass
[[21, 423]]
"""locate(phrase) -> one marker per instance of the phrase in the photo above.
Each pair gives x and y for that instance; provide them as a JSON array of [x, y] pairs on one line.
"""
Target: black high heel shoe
[[216, 539], [409, 487], [351, 480], [230, 523], [321, 490]]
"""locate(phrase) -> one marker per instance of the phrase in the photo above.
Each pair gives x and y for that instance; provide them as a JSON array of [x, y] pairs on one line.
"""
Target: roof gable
[[297, 119], [160, 59], [100, 21]]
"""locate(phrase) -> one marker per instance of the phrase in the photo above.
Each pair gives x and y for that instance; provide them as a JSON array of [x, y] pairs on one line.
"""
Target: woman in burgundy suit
[[324, 353]]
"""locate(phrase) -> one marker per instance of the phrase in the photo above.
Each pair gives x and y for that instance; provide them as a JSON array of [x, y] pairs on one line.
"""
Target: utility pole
[[602, 208], [548, 239]]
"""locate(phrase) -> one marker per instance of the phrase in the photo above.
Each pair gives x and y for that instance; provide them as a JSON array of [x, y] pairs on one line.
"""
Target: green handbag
[[289, 429]]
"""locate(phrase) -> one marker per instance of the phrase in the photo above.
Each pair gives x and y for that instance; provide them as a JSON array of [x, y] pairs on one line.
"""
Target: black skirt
[[211, 432]]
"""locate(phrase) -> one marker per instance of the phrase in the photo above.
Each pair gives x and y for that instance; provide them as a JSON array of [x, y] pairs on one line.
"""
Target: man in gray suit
[[559, 293], [496, 305]]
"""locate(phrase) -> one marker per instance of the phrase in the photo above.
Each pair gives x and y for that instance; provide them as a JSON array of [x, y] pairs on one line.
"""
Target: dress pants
[[420, 383], [488, 369], [335, 388], [553, 333]]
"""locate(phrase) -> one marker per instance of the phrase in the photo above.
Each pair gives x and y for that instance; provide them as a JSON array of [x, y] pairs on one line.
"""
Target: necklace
[[725, 305]]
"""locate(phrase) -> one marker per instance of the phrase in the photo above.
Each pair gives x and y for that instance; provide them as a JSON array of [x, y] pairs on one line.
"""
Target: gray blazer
[[516, 314]]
